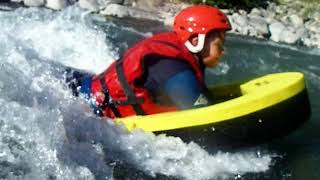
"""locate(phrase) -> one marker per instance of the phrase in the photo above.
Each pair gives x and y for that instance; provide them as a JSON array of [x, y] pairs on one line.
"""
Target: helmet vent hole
[[223, 21], [182, 28], [220, 14]]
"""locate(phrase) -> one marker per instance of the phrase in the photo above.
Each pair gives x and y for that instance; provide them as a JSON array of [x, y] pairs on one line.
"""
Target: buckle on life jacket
[[107, 102]]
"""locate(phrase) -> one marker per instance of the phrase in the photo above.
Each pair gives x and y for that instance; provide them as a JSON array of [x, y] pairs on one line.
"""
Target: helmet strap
[[199, 46]]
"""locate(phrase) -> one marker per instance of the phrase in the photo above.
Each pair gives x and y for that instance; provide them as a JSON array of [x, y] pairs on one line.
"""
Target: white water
[[47, 133]]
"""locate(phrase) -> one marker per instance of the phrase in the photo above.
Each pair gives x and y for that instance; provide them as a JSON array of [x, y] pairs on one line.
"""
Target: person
[[161, 73]]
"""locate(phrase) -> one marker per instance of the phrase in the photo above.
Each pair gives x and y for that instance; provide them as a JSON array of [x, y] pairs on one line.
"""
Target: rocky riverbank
[[291, 21]]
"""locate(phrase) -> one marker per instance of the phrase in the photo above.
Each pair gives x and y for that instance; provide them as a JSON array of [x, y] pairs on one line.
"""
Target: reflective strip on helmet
[[199, 46]]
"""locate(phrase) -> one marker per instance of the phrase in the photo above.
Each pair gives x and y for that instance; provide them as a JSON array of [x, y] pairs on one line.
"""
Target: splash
[[66, 37], [172, 157]]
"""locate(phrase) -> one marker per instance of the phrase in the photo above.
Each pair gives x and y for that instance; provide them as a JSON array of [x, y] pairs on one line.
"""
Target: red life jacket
[[116, 91]]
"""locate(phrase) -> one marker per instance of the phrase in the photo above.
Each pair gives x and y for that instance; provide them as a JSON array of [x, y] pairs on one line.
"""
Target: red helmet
[[199, 20]]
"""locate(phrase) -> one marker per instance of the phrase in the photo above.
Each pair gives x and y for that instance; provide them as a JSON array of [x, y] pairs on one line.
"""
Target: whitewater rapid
[[47, 133]]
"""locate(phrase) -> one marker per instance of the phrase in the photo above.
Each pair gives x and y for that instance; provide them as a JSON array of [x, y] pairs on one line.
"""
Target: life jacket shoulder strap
[[131, 98], [107, 101]]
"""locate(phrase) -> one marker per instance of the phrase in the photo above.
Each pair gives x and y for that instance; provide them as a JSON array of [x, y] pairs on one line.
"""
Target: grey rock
[[129, 2], [266, 13], [255, 12], [227, 11], [148, 5], [296, 20], [242, 12], [291, 35], [104, 3], [239, 19], [271, 7], [315, 40], [35, 3], [307, 41], [276, 29], [260, 25], [91, 5], [125, 11], [239, 23], [56, 4], [312, 41], [293, 20], [116, 10], [313, 26], [316, 16]]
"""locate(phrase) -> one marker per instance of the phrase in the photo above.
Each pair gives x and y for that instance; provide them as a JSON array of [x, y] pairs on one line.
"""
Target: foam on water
[[171, 156], [60, 37], [46, 133]]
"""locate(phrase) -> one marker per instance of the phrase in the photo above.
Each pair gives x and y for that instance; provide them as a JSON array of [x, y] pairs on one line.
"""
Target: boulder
[[56, 4], [168, 21], [35, 3], [316, 16], [129, 2], [115, 10], [260, 25], [312, 41], [307, 41], [293, 20], [148, 5], [255, 12], [104, 3], [276, 29], [271, 7], [268, 16], [227, 11], [315, 40], [243, 12], [291, 36], [125, 11], [91, 5], [239, 23], [313, 26], [296, 20], [281, 9], [317, 43]]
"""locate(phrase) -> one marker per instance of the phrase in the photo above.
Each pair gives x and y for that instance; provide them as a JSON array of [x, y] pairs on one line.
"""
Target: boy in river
[[161, 73]]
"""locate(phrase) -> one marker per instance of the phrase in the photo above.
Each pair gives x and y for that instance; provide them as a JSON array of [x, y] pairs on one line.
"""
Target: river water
[[45, 133]]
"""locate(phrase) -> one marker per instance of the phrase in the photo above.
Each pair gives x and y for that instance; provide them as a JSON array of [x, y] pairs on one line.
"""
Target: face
[[213, 50]]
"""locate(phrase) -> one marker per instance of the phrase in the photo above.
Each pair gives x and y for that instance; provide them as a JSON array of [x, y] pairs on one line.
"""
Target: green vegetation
[[305, 8], [232, 4]]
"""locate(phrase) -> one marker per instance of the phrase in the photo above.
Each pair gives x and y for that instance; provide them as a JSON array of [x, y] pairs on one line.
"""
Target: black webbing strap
[[131, 98], [107, 102]]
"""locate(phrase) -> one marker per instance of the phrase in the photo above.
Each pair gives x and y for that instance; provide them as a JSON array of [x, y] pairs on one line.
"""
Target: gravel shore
[[290, 21]]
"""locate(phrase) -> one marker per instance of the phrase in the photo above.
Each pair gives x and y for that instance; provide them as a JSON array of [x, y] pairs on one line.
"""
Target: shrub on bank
[[232, 4]]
